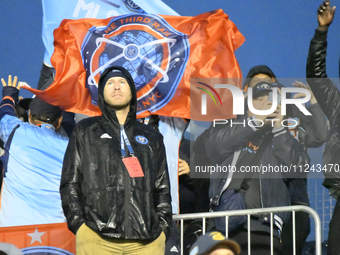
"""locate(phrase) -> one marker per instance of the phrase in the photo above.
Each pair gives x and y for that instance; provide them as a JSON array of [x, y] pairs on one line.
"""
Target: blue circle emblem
[[141, 139], [131, 51]]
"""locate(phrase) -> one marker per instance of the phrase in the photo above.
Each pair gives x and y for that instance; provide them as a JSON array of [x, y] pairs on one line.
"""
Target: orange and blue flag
[[161, 52], [54, 11]]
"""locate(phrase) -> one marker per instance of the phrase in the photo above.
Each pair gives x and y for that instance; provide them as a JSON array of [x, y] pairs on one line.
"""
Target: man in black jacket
[[328, 97], [312, 133], [253, 145], [115, 185]]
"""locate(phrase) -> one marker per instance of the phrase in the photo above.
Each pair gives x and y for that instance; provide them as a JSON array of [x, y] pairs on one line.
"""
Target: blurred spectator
[[193, 192], [214, 243], [241, 146], [186, 185], [172, 129], [311, 132], [33, 161], [21, 112], [328, 97], [45, 80], [23, 116]]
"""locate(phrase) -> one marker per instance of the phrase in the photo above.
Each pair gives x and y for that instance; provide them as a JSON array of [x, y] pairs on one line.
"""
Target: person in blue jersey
[[115, 186], [34, 154]]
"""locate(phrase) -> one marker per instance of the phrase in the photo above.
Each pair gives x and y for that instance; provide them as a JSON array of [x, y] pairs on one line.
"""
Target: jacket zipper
[[127, 207], [261, 192]]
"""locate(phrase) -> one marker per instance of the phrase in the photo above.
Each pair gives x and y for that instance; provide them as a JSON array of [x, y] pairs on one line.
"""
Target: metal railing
[[249, 212]]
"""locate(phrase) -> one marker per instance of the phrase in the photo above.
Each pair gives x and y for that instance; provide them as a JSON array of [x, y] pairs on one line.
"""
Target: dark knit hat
[[43, 111], [110, 74]]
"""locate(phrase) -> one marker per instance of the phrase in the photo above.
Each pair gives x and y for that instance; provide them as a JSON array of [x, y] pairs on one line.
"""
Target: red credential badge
[[133, 166]]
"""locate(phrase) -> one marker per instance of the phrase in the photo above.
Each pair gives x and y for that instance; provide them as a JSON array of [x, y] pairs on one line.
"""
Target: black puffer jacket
[[96, 188], [328, 97]]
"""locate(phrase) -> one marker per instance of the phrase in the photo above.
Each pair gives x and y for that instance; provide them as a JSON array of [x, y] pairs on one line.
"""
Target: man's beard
[[119, 107]]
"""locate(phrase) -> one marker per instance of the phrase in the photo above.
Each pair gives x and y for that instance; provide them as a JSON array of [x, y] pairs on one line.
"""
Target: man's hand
[[10, 83], [11, 89], [183, 167], [299, 84], [325, 15]]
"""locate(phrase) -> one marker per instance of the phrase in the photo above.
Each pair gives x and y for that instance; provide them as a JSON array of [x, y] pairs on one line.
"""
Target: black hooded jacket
[[96, 188]]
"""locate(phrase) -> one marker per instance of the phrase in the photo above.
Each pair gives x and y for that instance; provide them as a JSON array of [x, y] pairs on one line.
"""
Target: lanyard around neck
[[124, 140]]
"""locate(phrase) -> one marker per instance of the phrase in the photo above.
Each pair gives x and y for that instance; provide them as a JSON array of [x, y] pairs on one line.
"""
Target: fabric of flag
[[54, 11], [53, 239], [162, 53]]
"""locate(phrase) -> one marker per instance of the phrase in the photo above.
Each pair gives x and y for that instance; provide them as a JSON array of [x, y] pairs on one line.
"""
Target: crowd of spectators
[[114, 181]]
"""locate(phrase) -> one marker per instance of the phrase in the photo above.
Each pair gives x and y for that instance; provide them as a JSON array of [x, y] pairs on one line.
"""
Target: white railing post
[[249, 212]]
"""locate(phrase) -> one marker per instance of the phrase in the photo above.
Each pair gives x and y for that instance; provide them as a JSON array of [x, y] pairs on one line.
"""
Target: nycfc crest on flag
[[152, 51], [161, 52]]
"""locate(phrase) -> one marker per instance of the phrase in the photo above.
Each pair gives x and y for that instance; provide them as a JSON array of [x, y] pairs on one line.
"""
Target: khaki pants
[[88, 242]]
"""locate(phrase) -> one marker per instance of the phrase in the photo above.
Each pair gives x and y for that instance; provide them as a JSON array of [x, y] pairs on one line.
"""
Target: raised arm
[[8, 118], [323, 88], [10, 96]]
